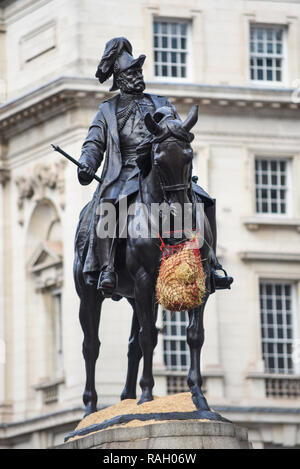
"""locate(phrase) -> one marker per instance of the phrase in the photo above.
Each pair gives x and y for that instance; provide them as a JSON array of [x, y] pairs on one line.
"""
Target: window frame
[[284, 58], [189, 50], [56, 295], [294, 324], [178, 338], [288, 199]]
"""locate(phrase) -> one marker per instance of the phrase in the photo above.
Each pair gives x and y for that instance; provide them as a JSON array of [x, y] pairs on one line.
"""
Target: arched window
[[44, 252]]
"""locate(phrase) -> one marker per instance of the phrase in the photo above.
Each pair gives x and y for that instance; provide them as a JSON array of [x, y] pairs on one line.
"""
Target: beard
[[131, 86]]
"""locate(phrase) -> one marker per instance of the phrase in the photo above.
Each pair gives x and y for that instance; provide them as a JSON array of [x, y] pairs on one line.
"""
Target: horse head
[[169, 153]]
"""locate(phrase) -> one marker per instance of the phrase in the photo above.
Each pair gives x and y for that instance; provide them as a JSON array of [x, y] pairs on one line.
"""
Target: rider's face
[[132, 81]]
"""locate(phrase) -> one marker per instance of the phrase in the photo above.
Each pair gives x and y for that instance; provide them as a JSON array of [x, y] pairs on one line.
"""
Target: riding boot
[[107, 278], [218, 282]]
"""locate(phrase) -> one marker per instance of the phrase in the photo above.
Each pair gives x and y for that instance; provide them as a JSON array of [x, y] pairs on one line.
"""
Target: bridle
[[172, 187]]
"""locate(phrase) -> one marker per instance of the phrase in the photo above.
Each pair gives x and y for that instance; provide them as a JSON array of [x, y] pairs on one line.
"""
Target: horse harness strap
[[177, 187]]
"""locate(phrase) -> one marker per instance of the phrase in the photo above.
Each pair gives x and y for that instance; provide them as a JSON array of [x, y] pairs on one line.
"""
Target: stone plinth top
[[167, 422], [185, 434]]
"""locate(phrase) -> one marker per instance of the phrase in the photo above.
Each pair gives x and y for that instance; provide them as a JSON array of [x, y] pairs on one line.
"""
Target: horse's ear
[[151, 125], [191, 119]]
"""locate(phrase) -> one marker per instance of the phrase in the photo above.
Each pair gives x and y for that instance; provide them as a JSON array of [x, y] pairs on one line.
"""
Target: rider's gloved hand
[[85, 174]]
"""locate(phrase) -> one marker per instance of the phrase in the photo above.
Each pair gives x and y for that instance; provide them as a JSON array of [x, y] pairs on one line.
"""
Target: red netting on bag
[[181, 280]]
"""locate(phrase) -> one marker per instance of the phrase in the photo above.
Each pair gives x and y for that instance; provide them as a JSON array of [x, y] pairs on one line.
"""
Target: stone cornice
[[238, 98], [41, 422], [14, 9], [63, 93], [256, 256], [256, 222], [47, 101]]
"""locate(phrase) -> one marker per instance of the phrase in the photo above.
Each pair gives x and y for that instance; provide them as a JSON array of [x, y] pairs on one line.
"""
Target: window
[[57, 333], [170, 49], [176, 352], [271, 184], [267, 53], [277, 318]]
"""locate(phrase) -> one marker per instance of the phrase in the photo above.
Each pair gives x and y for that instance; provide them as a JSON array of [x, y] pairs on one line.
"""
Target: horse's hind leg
[[89, 316], [146, 312], [134, 356], [195, 340]]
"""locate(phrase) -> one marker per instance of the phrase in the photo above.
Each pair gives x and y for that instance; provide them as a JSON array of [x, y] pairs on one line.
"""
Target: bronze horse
[[165, 177]]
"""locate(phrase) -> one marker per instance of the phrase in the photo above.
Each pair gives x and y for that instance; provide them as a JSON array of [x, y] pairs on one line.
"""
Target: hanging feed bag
[[181, 281]]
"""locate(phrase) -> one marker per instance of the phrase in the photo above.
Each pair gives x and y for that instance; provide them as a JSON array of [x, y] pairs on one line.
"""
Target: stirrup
[[107, 282], [222, 282]]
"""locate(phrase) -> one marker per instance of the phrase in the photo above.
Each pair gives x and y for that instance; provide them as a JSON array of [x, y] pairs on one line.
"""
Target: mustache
[[138, 82]]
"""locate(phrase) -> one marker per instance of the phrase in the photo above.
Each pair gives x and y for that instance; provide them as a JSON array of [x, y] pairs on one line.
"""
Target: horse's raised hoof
[[199, 400], [145, 397], [90, 408]]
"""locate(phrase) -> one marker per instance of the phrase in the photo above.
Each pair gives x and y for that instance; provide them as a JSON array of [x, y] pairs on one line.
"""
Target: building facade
[[240, 62]]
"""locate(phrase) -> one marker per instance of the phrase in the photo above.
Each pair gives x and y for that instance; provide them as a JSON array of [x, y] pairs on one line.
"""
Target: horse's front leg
[[195, 340], [134, 356], [146, 313], [89, 316]]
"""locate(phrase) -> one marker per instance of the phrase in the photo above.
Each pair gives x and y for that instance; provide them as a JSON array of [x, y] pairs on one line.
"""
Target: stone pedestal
[[184, 434]]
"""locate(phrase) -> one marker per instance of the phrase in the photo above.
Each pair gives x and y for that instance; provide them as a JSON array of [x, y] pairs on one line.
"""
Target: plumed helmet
[[117, 58]]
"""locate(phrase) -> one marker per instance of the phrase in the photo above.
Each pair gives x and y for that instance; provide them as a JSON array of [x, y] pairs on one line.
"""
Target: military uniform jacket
[[102, 138]]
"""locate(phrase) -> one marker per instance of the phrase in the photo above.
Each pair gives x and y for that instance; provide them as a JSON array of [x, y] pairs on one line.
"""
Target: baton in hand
[[57, 148]]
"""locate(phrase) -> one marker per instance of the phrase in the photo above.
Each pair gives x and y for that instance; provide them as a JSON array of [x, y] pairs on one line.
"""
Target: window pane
[[259, 33], [269, 75], [183, 28], [164, 56], [174, 72], [174, 43], [260, 47], [173, 57], [260, 75], [174, 28], [164, 28], [277, 343]]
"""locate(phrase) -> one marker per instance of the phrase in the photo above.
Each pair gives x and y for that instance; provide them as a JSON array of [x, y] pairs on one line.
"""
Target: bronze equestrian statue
[[146, 146]]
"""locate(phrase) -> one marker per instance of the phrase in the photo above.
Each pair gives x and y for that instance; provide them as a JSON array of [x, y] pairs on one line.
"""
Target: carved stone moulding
[[46, 265], [4, 175], [34, 186]]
